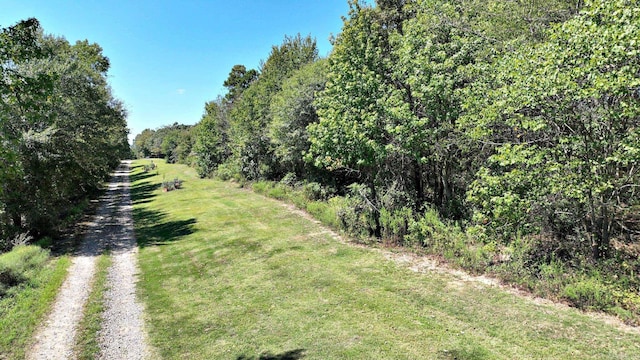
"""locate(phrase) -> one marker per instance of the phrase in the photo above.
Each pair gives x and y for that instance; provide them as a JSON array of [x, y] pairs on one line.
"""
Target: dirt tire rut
[[122, 335]]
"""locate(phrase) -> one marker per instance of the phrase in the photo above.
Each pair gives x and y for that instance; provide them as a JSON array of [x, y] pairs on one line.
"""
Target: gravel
[[122, 335]]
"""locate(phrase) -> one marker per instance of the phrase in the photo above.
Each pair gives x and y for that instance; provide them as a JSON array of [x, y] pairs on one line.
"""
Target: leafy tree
[[564, 116], [172, 142], [251, 114], [292, 110], [352, 133], [211, 146], [62, 130], [238, 81], [142, 143]]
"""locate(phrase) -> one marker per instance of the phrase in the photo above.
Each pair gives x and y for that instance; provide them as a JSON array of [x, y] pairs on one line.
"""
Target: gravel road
[[122, 335]]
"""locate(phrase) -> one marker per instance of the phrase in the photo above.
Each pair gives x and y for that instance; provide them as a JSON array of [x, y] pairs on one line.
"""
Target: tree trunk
[[377, 231], [419, 185], [601, 244]]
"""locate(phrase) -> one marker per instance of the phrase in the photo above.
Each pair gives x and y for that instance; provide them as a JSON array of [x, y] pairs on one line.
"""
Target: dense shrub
[[395, 225]]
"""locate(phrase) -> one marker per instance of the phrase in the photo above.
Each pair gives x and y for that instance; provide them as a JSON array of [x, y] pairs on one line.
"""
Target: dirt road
[[122, 335]]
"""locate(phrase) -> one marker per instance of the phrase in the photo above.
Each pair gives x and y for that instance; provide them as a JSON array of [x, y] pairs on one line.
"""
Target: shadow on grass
[[152, 229], [140, 176], [289, 355], [143, 192]]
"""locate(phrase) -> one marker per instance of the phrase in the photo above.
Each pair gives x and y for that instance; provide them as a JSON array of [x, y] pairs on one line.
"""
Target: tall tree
[[292, 110], [564, 115], [211, 146], [251, 115], [238, 81], [62, 129]]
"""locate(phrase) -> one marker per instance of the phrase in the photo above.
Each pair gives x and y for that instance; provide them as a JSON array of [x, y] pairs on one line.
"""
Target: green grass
[[87, 346], [23, 306], [229, 274]]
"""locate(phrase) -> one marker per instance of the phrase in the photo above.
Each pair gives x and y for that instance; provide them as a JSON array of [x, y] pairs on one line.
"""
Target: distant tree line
[[171, 142], [61, 129], [512, 119]]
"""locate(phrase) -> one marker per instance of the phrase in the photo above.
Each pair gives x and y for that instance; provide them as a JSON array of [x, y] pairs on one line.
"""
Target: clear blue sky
[[169, 57]]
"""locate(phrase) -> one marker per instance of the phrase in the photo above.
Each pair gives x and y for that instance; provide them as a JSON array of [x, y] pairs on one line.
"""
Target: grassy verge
[[87, 346], [529, 263], [228, 274], [23, 305]]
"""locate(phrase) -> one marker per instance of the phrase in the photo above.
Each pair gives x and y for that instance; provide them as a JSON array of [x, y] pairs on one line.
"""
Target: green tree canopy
[[564, 117]]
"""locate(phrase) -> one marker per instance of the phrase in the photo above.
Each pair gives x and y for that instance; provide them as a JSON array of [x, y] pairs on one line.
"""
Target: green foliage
[[564, 117], [171, 142], [292, 110], [61, 129], [395, 225], [238, 81], [350, 132], [250, 117], [20, 266], [211, 146], [589, 293], [171, 185], [498, 135]]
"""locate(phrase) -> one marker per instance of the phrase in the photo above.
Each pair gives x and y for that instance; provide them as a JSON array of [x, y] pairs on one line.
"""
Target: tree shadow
[[143, 192], [140, 176], [152, 229], [288, 355]]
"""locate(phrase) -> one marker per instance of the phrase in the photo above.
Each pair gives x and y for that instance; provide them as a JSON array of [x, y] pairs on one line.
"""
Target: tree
[[238, 81], [292, 110], [564, 115], [62, 131], [250, 116], [352, 133], [211, 146]]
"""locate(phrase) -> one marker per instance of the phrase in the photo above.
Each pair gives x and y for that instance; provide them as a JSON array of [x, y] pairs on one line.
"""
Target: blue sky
[[169, 57]]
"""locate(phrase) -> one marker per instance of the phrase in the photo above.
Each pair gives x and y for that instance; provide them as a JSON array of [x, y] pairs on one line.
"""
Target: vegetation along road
[[229, 274], [498, 137]]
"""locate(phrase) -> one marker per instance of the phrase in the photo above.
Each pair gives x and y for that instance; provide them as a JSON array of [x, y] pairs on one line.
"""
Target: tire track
[[122, 335]]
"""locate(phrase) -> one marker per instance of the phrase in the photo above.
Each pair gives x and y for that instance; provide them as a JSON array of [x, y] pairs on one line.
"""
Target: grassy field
[[228, 274]]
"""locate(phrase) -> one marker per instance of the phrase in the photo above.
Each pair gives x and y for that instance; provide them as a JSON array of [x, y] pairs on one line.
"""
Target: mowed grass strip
[[87, 341], [228, 274]]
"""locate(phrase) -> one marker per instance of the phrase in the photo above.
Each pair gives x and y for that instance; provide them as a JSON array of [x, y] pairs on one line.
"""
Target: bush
[[278, 191], [20, 265], [428, 231], [261, 187], [172, 185], [290, 179], [228, 171], [395, 225], [316, 191], [357, 214], [326, 211], [589, 293]]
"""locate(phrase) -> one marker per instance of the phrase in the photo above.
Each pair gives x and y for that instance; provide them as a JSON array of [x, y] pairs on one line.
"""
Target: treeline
[[61, 130], [512, 125], [171, 142]]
